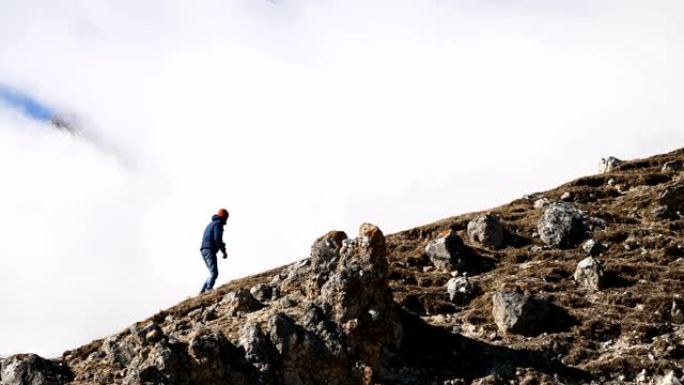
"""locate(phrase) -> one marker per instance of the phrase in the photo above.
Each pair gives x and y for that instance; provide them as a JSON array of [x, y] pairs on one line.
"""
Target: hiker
[[212, 243]]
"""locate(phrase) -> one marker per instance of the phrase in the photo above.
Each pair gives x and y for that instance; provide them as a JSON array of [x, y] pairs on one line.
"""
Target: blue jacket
[[213, 235]]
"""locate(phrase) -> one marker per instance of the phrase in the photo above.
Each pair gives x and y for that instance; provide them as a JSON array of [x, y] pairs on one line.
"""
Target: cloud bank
[[299, 117]]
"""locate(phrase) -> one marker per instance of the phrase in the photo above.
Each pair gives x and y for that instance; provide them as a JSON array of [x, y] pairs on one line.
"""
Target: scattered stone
[[541, 203], [446, 252], [262, 292], [517, 313], [552, 278], [286, 302], [661, 212], [641, 378], [31, 369], [567, 197], [492, 379], [536, 249], [677, 312], [673, 197], [608, 164], [427, 269], [673, 166], [241, 300], [589, 274], [612, 182], [630, 243], [487, 231], [562, 225], [460, 290], [593, 248], [149, 334], [669, 379]]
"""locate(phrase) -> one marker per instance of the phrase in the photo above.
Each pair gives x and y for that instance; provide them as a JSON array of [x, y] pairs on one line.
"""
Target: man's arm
[[218, 238]]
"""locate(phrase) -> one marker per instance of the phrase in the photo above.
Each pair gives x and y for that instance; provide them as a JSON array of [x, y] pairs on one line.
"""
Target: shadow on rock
[[434, 354]]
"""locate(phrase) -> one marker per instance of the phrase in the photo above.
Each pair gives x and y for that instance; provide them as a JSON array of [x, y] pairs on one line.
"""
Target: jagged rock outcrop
[[487, 230]]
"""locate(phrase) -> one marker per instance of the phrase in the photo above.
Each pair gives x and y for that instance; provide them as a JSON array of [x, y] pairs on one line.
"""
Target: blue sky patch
[[24, 103]]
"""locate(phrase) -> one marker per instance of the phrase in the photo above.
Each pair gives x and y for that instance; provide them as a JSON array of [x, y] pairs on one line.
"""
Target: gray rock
[[283, 332], [258, 348], [487, 231], [673, 197], [673, 166], [562, 225], [119, 352], [593, 248], [517, 313], [661, 212], [677, 312], [205, 346], [326, 249], [589, 274], [31, 369], [262, 292], [669, 379], [541, 203], [446, 252], [241, 300], [460, 290], [567, 197], [608, 164], [147, 334]]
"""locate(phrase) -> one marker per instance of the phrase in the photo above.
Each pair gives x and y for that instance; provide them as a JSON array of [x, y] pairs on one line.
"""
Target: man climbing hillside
[[212, 243]]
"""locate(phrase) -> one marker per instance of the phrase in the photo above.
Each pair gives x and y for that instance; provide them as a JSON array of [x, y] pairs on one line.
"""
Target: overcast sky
[[299, 117]]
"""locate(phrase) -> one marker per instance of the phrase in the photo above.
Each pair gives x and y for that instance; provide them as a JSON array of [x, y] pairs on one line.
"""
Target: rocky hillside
[[576, 285]]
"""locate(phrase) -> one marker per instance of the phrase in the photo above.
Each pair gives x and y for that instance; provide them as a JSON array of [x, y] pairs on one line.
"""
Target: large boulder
[[31, 369], [487, 230], [350, 317], [562, 225], [446, 252], [518, 313], [589, 274]]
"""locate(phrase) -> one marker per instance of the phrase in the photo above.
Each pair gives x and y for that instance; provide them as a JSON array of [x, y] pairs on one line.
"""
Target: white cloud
[[299, 118]]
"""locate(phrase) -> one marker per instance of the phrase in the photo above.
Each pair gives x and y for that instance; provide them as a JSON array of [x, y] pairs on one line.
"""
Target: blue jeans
[[210, 260]]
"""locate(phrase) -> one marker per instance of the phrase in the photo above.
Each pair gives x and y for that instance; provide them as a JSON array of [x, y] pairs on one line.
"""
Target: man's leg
[[210, 261]]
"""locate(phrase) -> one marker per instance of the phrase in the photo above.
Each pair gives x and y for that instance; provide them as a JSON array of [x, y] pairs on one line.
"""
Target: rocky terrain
[[582, 284]]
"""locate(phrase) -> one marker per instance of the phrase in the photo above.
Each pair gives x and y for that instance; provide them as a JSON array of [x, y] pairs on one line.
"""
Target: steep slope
[[483, 298]]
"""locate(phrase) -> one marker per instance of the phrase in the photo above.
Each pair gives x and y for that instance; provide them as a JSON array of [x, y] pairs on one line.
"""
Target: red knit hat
[[223, 213]]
